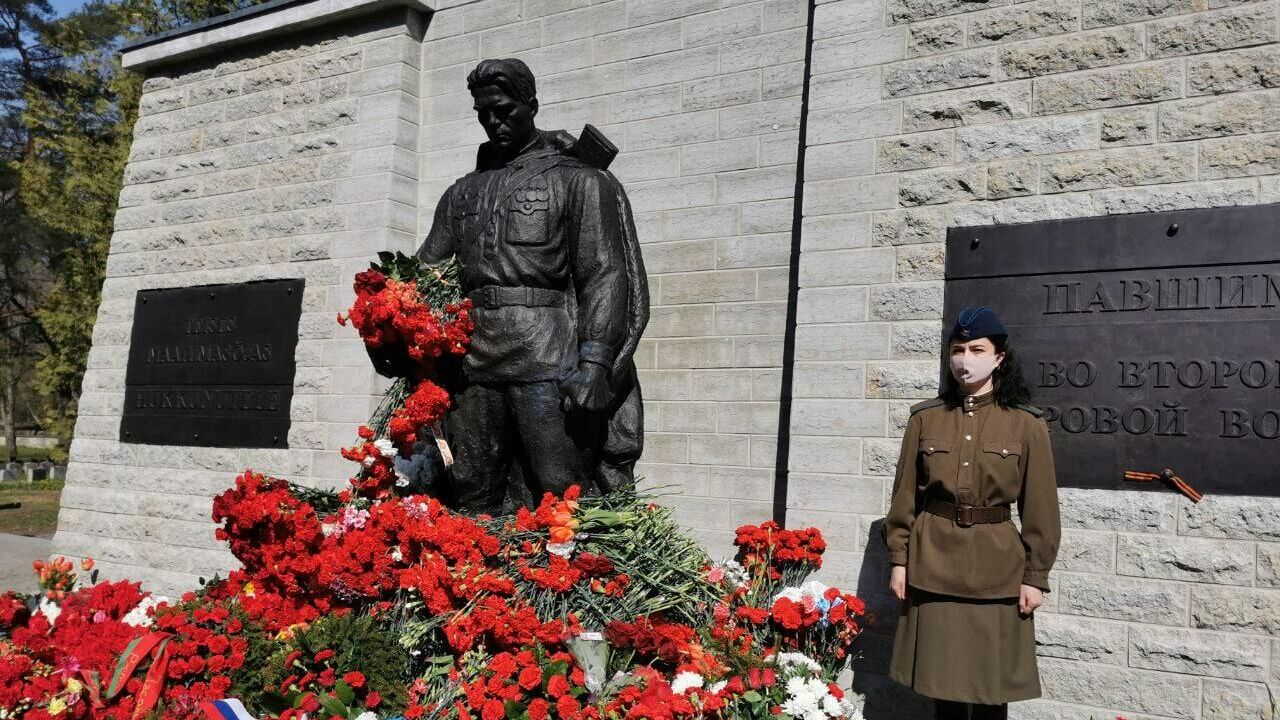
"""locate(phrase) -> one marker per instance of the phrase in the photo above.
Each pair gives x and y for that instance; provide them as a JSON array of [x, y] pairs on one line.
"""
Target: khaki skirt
[[974, 651]]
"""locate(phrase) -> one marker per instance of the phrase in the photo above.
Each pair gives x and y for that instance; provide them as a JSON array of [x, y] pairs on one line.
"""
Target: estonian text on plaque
[[213, 365]]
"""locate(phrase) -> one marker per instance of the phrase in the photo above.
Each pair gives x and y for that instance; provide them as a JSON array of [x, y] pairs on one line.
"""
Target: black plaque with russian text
[[1151, 340], [213, 366]]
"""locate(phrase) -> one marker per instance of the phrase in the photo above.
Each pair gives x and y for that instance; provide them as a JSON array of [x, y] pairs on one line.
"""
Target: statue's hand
[[587, 389]]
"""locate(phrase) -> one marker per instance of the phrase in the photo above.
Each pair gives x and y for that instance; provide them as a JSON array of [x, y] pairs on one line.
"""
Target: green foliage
[[246, 682], [625, 528], [360, 643], [67, 125]]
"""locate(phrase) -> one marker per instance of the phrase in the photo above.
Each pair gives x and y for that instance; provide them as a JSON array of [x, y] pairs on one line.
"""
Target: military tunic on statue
[[542, 252]]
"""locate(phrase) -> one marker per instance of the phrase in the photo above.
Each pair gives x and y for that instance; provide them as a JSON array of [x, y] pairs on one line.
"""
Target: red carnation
[[354, 678]]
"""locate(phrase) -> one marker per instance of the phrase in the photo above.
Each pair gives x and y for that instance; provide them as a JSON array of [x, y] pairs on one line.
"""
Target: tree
[[65, 130]]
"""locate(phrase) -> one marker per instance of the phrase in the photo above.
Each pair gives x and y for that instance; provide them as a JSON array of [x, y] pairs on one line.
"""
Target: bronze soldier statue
[[547, 251]]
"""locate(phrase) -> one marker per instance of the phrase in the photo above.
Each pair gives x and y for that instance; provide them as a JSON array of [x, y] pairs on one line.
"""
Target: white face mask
[[974, 369]]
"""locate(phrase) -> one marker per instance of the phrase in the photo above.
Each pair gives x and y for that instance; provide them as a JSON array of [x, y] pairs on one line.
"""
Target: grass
[[25, 454], [38, 516]]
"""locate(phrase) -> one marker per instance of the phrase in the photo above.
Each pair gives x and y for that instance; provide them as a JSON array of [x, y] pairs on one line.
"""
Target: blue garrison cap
[[975, 323]]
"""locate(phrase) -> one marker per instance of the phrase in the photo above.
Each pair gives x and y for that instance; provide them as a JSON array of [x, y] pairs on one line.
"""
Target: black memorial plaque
[[1151, 340], [213, 366]]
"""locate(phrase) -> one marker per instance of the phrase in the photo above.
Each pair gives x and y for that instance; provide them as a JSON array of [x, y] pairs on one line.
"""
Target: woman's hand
[[898, 582], [1029, 598]]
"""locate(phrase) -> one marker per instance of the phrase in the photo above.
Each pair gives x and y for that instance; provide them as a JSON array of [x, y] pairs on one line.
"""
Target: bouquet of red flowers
[[410, 314]]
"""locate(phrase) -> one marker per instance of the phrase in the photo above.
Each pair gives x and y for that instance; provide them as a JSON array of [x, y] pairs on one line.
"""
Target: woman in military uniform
[[968, 579]]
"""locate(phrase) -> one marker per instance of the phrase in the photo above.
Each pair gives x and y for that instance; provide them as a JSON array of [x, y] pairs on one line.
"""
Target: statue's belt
[[492, 296]]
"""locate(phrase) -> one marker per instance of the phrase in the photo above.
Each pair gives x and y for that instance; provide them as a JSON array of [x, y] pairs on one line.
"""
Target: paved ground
[[16, 554]]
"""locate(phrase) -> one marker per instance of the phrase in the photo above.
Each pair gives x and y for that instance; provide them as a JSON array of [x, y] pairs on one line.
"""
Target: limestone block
[[1110, 168], [833, 379], [920, 262], [1236, 157], [906, 11], [856, 341], [906, 227], [1242, 518], [1075, 638], [858, 266], [1109, 87], [1235, 114], [1226, 700], [914, 301], [972, 106], [1082, 51], [1269, 565], [1142, 691], [934, 37], [1116, 598], [854, 123], [1226, 72], [943, 185], [842, 51], [1218, 193], [916, 340], [1036, 136], [1236, 609], [1210, 31], [1087, 551], [1012, 178], [912, 152], [1194, 652], [1037, 19], [1129, 126], [1119, 12], [962, 69], [903, 380]]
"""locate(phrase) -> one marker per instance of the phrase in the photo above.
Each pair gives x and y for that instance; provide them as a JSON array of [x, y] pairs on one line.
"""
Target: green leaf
[[345, 693], [752, 696], [515, 710], [274, 702], [334, 706]]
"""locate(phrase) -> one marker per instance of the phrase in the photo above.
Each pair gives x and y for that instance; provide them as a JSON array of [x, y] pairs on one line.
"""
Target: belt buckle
[[491, 297], [964, 516]]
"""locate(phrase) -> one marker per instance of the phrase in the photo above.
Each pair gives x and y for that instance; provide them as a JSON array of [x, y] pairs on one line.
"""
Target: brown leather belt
[[492, 296], [967, 515]]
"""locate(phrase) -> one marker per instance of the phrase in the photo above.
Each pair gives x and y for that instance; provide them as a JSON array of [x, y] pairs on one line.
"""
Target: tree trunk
[[10, 401]]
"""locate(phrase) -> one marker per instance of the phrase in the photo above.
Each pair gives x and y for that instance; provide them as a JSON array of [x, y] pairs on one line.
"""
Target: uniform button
[[528, 206], [968, 437], [970, 413], [1004, 452], [966, 463], [930, 449]]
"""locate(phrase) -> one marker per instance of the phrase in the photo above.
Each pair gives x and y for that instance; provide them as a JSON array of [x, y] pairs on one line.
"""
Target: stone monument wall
[[928, 114], [294, 158], [309, 135]]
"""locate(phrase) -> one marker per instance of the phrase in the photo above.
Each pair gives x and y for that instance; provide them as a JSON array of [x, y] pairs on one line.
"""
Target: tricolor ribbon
[[229, 709]]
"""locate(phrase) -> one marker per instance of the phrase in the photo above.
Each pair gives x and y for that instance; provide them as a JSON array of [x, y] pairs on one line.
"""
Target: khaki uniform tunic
[[960, 636]]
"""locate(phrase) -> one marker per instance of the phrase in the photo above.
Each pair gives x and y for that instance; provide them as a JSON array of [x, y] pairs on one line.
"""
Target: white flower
[[831, 706], [686, 681], [49, 609], [386, 449], [716, 688], [396, 556], [368, 461], [366, 715], [564, 550], [139, 617], [795, 659]]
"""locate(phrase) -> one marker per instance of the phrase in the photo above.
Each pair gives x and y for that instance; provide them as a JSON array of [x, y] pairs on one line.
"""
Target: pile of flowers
[[380, 602]]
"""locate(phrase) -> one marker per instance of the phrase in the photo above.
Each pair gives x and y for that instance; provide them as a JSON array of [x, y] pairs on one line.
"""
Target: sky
[[62, 7]]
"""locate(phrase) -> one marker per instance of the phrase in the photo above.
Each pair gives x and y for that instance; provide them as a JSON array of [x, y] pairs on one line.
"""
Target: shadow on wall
[[885, 699]]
